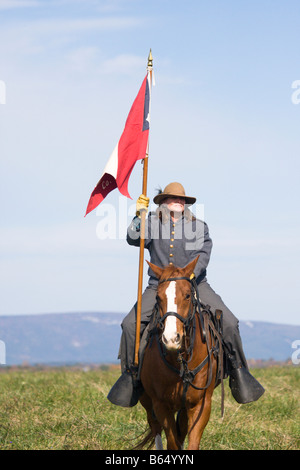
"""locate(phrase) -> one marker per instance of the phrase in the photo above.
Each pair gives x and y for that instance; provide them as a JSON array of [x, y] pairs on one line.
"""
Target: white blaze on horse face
[[170, 335]]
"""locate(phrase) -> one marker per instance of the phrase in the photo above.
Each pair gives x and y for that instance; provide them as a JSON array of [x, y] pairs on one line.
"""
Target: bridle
[[209, 328], [195, 304]]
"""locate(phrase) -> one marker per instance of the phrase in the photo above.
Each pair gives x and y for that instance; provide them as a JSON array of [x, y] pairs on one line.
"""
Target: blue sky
[[223, 123]]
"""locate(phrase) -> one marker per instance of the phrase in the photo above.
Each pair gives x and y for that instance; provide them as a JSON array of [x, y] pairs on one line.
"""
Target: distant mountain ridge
[[93, 337]]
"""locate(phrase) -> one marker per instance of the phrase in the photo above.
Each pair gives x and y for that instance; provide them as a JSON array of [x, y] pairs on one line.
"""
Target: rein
[[204, 317]]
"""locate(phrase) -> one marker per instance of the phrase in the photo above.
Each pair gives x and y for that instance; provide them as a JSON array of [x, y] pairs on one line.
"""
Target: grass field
[[66, 408]]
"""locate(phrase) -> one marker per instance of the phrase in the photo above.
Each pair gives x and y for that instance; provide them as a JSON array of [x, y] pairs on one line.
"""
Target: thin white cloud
[[75, 25], [22, 39], [36, 36], [91, 60], [126, 63], [10, 4], [82, 58]]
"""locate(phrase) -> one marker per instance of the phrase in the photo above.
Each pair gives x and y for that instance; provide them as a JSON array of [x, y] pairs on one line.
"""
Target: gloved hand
[[142, 204]]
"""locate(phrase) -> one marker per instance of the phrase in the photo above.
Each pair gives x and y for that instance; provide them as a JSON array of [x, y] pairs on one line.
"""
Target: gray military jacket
[[174, 243]]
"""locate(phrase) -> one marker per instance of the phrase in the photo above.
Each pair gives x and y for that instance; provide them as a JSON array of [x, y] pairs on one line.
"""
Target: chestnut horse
[[180, 365]]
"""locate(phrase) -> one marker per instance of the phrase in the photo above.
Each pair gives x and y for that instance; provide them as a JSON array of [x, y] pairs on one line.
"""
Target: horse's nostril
[[174, 340]]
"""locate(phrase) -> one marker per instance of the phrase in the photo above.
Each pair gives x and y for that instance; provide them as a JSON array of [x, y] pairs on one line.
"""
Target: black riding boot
[[127, 389], [244, 387]]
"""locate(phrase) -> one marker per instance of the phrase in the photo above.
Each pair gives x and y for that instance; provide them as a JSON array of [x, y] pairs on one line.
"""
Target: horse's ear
[[189, 268], [156, 269]]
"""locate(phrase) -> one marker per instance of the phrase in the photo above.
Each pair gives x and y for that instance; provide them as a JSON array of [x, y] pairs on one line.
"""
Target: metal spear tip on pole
[[150, 60]]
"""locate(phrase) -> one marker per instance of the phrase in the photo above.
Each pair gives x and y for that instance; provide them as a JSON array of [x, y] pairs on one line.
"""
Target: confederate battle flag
[[131, 147]]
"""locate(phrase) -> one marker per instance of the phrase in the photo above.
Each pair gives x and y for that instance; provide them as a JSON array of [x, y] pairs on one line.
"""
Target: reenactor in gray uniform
[[174, 236]]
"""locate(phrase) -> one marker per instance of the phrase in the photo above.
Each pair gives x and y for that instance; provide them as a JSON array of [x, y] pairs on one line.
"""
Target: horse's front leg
[[182, 424], [165, 416], [197, 420], [152, 420]]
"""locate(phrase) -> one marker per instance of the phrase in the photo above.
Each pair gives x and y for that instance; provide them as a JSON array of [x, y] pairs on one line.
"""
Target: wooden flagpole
[[142, 238]]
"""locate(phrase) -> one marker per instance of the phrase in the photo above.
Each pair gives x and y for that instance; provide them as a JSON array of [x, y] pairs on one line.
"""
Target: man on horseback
[[174, 236]]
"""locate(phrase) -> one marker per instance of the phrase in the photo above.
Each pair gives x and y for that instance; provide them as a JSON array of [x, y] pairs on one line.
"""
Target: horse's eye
[[187, 296]]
